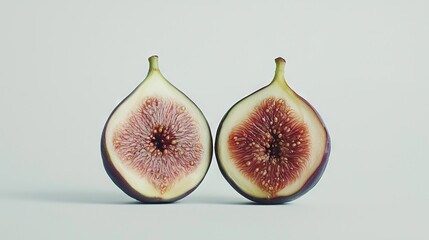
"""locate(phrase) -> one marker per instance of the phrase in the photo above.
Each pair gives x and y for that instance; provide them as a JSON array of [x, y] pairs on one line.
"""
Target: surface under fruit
[[272, 146], [156, 145]]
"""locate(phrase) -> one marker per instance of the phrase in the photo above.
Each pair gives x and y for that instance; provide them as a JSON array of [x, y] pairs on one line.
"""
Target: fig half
[[156, 145], [272, 146]]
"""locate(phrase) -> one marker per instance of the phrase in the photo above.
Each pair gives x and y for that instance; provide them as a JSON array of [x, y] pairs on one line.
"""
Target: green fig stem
[[280, 67], [153, 63], [279, 76]]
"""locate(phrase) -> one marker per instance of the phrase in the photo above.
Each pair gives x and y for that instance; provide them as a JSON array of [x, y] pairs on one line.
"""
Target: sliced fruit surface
[[272, 146], [156, 145]]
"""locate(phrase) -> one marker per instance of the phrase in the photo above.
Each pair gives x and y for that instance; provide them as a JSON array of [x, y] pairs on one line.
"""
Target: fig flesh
[[272, 146], [156, 145]]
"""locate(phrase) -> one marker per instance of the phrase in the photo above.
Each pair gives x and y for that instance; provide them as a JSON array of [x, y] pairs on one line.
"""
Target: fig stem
[[153, 63], [279, 76], [280, 67]]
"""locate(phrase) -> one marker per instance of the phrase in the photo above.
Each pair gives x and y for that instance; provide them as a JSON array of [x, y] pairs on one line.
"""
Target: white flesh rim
[[155, 85], [241, 111]]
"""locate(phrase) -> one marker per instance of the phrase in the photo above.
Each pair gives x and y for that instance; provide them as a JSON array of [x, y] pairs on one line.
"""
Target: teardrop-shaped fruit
[[272, 146], [156, 145]]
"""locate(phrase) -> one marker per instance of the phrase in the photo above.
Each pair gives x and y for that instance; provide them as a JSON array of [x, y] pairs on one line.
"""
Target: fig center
[[162, 138], [274, 150]]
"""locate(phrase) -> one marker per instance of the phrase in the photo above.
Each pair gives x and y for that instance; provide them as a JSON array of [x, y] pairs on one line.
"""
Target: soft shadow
[[222, 200], [117, 198], [217, 200], [71, 196]]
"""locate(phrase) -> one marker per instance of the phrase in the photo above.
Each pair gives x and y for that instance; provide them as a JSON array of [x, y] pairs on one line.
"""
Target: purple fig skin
[[122, 183], [309, 184]]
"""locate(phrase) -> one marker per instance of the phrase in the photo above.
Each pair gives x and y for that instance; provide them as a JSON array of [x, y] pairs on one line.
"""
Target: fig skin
[[310, 182], [122, 183]]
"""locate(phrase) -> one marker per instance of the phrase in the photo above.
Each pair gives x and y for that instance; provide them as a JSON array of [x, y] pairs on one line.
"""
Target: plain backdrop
[[66, 64]]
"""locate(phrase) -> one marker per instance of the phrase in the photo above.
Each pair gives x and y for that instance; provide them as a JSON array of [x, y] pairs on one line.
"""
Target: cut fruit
[[272, 146], [156, 145]]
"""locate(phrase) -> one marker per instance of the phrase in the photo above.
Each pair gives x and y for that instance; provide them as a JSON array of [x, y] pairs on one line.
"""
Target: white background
[[66, 64]]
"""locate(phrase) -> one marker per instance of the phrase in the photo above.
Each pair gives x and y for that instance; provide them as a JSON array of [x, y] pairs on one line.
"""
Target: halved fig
[[272, 146], [156, 145]]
